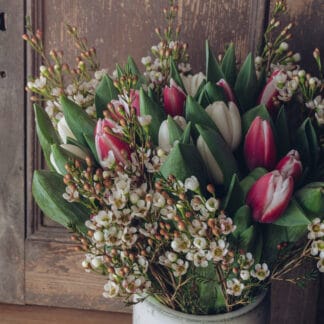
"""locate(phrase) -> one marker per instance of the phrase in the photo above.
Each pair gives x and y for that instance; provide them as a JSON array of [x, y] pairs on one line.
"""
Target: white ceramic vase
[[152, 312]]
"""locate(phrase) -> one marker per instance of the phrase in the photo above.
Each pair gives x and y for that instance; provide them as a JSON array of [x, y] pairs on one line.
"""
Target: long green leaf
[[78, 120], [105, 92], [246, 84], [175, 74], [213, 70], [46, 133], [250, 115], [229, 65], [235, 196], [48, 188], [282, 131]]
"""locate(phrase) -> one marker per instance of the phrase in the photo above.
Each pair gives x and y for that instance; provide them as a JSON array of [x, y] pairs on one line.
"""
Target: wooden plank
[[55, 277], [50, 315], [12, 145]]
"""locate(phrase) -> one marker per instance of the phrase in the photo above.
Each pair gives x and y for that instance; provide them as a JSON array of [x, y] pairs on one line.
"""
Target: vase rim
[[225, 316]]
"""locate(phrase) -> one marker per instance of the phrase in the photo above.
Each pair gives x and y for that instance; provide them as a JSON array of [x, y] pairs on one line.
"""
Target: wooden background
[[38, 265]]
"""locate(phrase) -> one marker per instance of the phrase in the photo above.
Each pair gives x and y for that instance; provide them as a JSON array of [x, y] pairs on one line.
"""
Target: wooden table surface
[[13, 314]]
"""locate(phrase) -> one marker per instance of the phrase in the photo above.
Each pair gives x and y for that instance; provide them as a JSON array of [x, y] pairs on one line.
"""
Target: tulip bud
[[269, 93], [134, 95], [259, 147], [164, 132], [109, 147], [290, 165], [192, 82], [228, 121], [269, 196], [64, 130], [174, 98], [227, 90]]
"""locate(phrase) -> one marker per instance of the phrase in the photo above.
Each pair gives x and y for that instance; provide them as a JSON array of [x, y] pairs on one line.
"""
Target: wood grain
[[50, 315], [12, 147]]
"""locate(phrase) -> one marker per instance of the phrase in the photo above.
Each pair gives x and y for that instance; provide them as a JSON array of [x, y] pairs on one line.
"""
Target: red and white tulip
[[259, 146], [290, 165], [174, 99], [227, 90], [269, 196], [110, 148]]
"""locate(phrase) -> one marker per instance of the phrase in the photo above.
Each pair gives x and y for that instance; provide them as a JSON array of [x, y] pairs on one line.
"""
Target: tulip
[[227, 90], [64, 130], [269, 94], [174, 98], [109, 147], [259, 147], [269, 196], [164, 132], [290, 165], [212, 166], [192, 82], [228, 121]]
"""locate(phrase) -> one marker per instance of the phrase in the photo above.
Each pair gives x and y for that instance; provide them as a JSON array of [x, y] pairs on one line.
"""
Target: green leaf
[[46, 133], [131, 65], [186, 136], [246, 84], [48, 188], [221, 153], [250, 115], [229, 65], [151, 108], [200, 89], [211, 93], [311, 199], [183, 162], [61, 157], [175, 131], [242, 219], [213, 70], [105, 92], [120, 71], [292, 216], [78, 120], [282, 131], [307, 144], [248, 238], [197, 114], [90, 139], [175, 75], [250, 179], [235, 196]]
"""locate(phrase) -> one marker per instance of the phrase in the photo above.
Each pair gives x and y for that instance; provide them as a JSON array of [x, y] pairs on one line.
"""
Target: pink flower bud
[[269, 196], [227, 89], [109, 147], [174, 98], [290, 165], [259, 146], [269, 94], [134, 95]]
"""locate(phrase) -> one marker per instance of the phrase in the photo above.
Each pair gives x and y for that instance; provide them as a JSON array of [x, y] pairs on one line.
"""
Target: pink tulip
[[227, 89], [269, 93], [290, 165], [109, 147], [259, 146], [174, 98], [269, 196]]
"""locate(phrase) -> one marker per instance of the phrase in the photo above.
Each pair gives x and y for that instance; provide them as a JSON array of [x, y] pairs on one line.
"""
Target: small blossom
[[212, 204], [261, 272], [191, 184], [316, 229], [218, 250], [181, 244], [246, 261], [245, 275], [179, 267], [320, 265], [234, 287], [318, 248], [111, 289], [200, 243]]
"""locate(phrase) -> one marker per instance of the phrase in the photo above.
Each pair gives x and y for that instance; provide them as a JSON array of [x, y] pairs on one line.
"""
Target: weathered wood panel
[[54, 277], [12, 154]]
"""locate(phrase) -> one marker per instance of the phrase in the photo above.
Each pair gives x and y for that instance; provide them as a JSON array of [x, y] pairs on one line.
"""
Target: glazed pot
[[150, 311]]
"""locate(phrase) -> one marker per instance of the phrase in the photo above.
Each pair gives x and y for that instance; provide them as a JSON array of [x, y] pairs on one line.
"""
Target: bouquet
[[196, 189]]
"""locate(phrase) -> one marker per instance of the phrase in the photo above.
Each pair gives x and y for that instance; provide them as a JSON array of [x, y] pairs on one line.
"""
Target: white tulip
[[164, 138], [212, 166], [228, 121], [192, 82], [64, 130]]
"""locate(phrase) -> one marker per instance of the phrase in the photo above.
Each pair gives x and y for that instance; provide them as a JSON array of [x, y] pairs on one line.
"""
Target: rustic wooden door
[[38, 262]]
